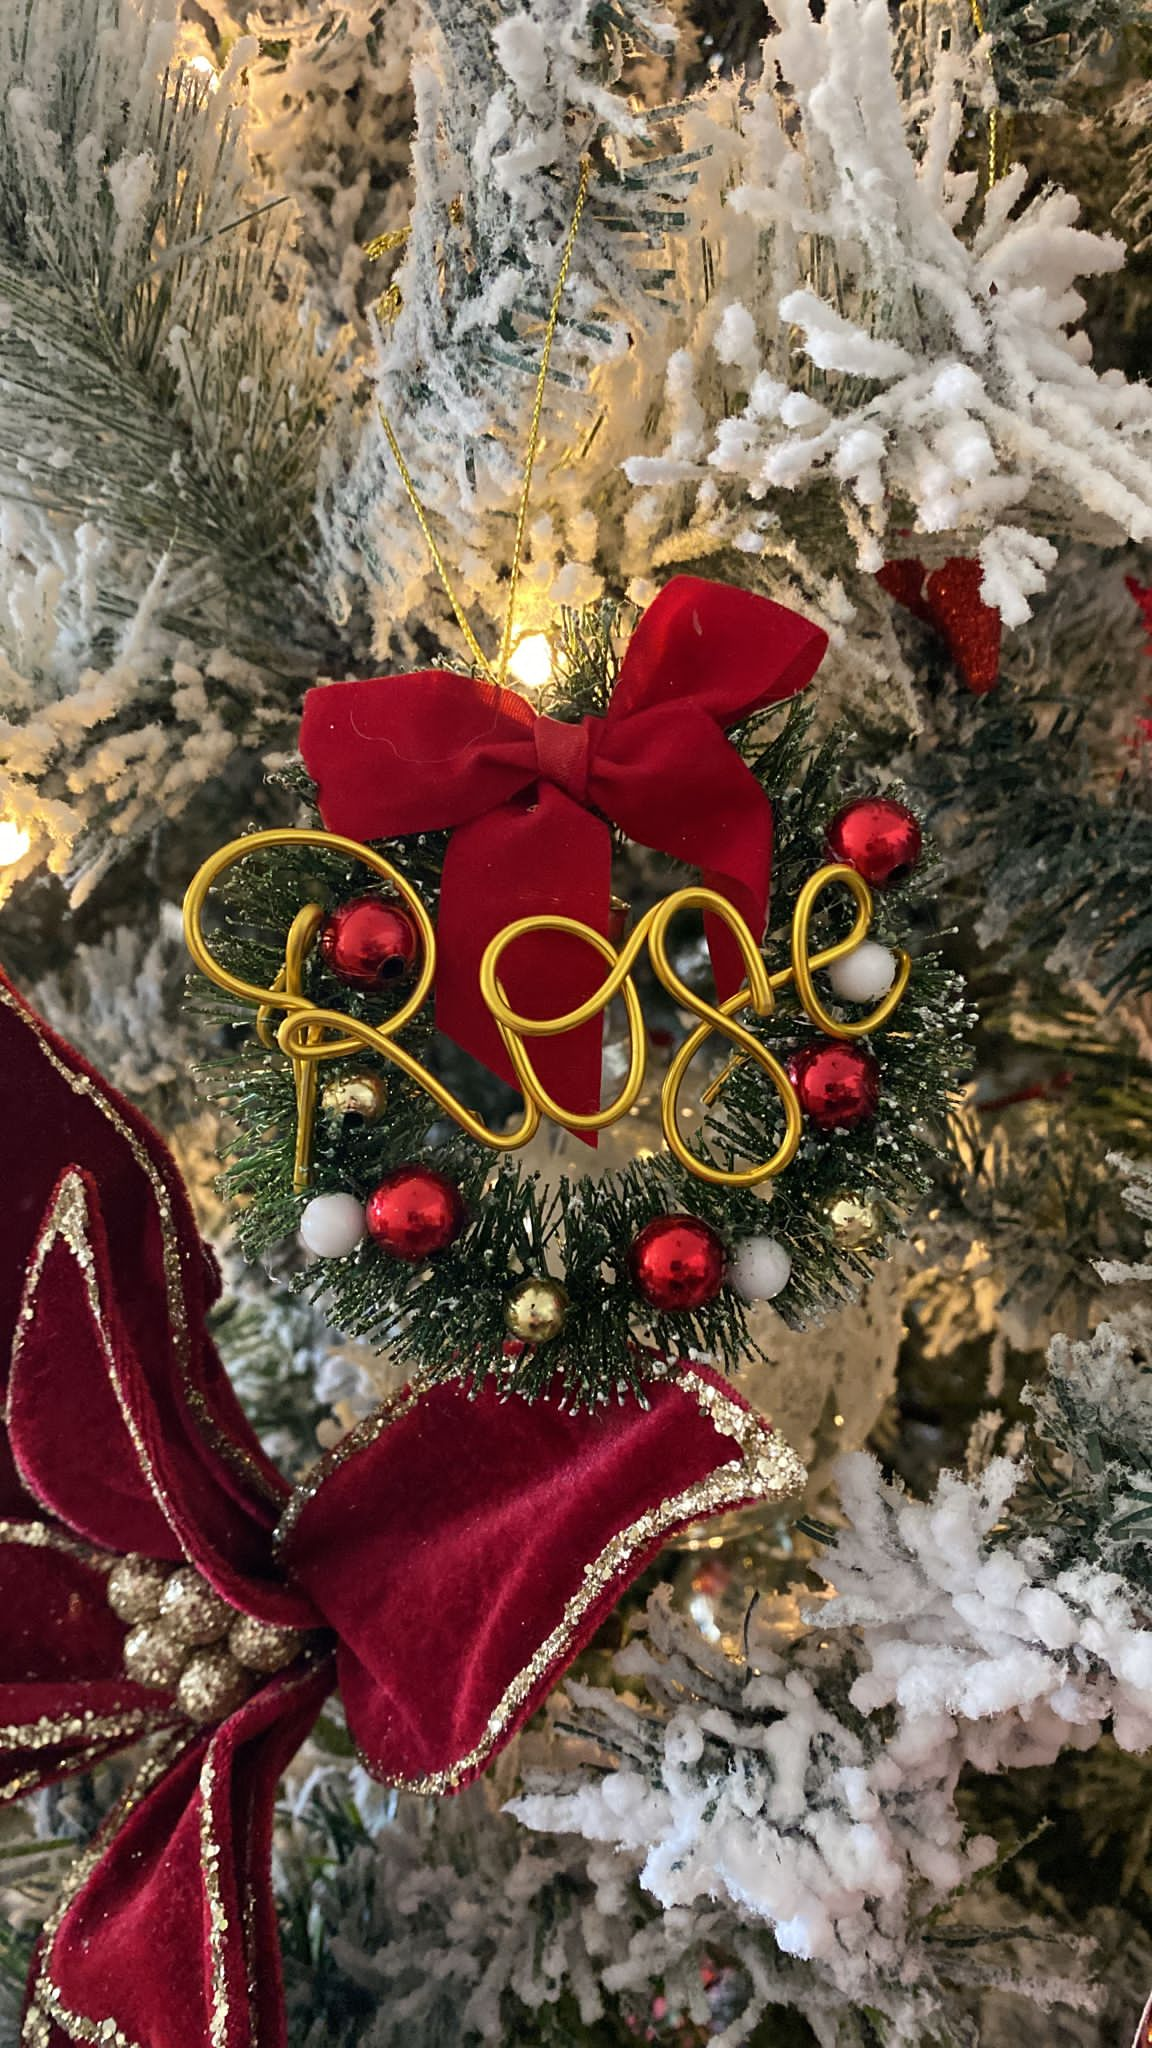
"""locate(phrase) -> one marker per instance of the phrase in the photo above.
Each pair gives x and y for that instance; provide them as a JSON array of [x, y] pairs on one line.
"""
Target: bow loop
[[416, 753]]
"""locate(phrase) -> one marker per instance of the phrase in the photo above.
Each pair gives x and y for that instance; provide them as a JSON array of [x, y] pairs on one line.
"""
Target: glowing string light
[[14, 842], [530, 662]]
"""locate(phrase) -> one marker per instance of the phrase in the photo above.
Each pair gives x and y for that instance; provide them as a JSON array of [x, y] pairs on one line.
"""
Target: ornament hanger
[[499, 674]]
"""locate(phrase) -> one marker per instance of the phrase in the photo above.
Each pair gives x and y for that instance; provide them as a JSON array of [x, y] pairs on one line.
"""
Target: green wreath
[[539, 1276]]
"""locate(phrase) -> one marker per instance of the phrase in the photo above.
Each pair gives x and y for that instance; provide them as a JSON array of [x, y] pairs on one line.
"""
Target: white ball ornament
[[332, 1226], [760, 1268], [866, 974]]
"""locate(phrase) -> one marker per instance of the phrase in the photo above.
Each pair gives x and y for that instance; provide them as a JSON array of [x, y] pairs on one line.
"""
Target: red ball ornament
[[369, 942], [878, 837], [415, 1212], [838, 1084], [677, 1262]]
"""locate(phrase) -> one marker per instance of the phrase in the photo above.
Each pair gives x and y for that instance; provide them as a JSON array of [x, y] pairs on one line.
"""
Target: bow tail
[[118, 1475], [61, 1116], [167, 1932], [518, 1525], [547, 857]]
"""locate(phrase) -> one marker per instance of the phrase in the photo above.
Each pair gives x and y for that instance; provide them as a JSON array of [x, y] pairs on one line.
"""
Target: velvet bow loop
[[530, 802], [551, 1511]]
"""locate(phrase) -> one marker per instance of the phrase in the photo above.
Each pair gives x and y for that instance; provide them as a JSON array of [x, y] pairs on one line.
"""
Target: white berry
[[864, 975], [332, 1226], [760, 1268]]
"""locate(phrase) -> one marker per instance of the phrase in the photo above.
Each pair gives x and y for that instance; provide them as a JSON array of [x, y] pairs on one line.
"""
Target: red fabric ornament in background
[[369, 943], [949, 599], [878, 837], [124, 1437], [415, 1212], [677, 1262], [838, 1084], [1141, 595], [530, 802]]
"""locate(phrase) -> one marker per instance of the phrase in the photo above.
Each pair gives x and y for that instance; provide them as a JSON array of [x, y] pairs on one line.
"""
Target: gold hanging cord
[[499, 674], [537, 414], [995, 169]]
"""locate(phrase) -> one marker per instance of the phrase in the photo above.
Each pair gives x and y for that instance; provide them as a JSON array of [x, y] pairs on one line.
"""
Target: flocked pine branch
[[812, 1787], [1042, 793], [507, 101], [162, 410], [1039, 50], [330, 111], [879, 360]]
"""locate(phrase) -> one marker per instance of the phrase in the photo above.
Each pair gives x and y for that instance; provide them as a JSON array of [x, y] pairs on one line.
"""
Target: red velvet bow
[[530, 802], [949, 600], [448, 1560]]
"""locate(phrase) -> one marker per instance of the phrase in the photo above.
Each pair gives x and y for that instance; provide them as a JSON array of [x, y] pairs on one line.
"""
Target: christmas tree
[[768, 383]]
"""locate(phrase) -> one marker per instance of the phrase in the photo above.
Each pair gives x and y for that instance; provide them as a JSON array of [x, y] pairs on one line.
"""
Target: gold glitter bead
[[191, 1611], [852, 1221], [152, 1656], [536, 1310], [135, 1586], [360, 1094], [261, 1646], [212, 1685]]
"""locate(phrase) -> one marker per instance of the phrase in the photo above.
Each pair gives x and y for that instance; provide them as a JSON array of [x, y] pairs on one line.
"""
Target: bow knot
[[564, 754], [419, 753]]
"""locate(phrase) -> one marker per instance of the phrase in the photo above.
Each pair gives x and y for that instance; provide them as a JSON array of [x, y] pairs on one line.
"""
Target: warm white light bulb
[[206, 69], [530, 662], [14, 842]]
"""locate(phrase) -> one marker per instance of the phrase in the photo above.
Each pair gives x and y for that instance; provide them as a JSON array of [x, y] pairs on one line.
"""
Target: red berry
[[878, 837], [838, 1084], [677, 1262], [369, 942], [415, 1212]]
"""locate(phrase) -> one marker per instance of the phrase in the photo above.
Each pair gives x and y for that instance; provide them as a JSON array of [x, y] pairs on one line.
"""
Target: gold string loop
[[757, 994], [805, 964], [514, 1028], [308, 1034], [650, 932], [537, 416], [499, 674], [438, 562]]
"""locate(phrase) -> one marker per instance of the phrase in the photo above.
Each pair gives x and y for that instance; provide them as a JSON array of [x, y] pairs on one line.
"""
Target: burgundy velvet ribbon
[[447, 1562], [530, 802]]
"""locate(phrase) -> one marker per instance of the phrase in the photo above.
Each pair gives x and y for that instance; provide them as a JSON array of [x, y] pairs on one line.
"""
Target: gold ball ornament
[[360, 1094], [536, 1310], [134, 1588], [852, 1221], [261, 1646], [152, 1656], [212, 1685], [191, 1611]]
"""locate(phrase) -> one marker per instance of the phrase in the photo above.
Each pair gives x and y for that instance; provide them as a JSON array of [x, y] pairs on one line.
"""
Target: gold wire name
[[309, 1034]]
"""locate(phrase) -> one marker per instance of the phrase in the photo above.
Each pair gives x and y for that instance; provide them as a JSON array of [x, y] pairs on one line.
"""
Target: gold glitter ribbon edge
[[767, 1469]]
